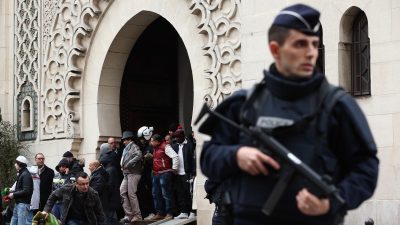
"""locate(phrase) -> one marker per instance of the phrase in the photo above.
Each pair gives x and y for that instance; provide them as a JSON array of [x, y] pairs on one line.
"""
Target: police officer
[[290, 98]]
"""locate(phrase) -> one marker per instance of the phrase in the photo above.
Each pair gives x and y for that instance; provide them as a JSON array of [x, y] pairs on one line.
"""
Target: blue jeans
[[162, 193], [56, 211], [31, 214], [216, 219], [20, 214], [111, 218]]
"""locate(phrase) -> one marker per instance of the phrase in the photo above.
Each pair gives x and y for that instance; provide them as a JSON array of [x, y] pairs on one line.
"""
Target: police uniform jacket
[[349, 155]]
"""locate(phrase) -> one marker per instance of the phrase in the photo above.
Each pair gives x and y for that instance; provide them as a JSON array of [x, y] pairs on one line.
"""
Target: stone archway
[[111, 45]]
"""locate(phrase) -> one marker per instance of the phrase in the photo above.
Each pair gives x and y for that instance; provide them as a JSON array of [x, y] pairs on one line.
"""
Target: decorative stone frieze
[[49, 13], [26, 61], [219, 22], [69, 38]]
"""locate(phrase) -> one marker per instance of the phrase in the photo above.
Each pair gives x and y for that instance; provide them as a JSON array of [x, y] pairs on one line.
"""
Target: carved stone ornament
[[64, 61], [26, 61], [219, 22], [49, 13], [26, 43]]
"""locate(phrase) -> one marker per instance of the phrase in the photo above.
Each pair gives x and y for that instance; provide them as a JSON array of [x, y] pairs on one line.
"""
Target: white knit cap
[[22, 159]]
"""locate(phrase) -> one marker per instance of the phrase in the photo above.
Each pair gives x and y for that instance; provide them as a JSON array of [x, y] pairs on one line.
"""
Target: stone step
[[191, 221]]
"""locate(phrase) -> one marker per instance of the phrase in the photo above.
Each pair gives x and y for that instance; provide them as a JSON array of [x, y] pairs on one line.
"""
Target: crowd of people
[[146, 177]]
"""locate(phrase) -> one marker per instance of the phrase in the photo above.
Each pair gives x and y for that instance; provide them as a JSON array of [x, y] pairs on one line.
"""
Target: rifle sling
[[279, 189]]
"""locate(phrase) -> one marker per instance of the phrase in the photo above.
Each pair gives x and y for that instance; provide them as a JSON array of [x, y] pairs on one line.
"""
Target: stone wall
[[6, 59]]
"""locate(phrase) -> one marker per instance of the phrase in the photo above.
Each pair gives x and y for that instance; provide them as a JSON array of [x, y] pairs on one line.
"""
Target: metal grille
[[321, 53], [360, 57]]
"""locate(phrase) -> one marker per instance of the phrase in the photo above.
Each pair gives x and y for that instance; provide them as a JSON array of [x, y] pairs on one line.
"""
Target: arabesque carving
[[26, 43], [219, 22], [49, 13], [26, 61], [63, 64]]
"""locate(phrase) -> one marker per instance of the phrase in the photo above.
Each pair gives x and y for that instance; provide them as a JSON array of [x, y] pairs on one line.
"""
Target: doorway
[[157, 84]]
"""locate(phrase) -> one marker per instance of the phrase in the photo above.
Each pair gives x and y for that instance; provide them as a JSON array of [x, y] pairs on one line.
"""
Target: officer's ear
[[274, 48]]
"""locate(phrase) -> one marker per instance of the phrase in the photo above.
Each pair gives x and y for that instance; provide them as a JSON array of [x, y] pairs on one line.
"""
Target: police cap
[[299, 17]]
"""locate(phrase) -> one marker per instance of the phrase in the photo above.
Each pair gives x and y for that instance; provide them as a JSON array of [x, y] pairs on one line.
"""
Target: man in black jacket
[[22, 192], [186, 172], [75, 165], [46, 180], [99, 182], [112, 167], [81, 203]]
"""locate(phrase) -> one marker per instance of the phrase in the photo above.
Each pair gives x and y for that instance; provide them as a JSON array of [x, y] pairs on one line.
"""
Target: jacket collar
[[183, 143], [289, 88]]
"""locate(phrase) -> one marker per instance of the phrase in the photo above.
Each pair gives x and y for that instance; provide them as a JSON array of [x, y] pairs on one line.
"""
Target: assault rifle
[[293, 165]]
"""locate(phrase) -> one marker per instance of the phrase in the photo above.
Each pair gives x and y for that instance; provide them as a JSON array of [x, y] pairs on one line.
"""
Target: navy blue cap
[[299, 17]]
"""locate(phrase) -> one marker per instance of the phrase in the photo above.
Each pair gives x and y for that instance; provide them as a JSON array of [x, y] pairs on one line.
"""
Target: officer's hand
[[253, 161], [310, 204]]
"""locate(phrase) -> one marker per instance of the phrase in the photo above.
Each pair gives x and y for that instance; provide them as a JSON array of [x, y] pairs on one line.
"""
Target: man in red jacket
[[165, 162]]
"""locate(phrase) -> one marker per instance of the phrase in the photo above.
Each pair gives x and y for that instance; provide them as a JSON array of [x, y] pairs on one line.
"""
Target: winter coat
[[164, 159], [99, 182], [110, 158], [92, 205], [24, 187], [114, 182], [131, 162], [76, 166], [46, 183]]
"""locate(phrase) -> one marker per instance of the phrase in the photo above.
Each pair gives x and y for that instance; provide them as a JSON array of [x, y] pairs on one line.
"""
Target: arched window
[[360, 57], [26, 115], [354, 53]]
